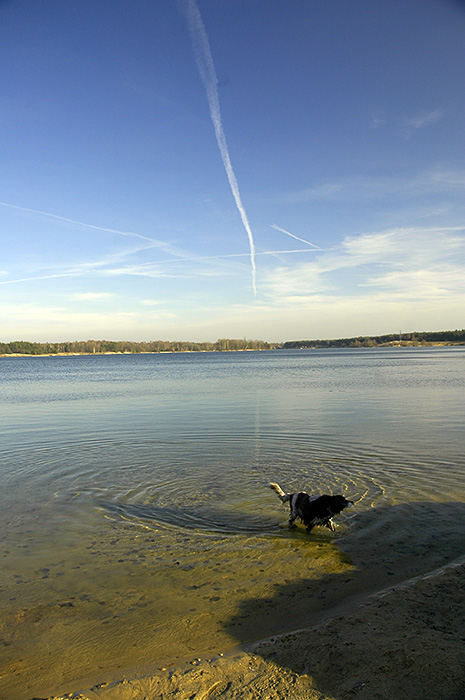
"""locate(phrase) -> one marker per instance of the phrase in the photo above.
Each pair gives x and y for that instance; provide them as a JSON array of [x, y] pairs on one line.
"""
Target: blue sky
[[283, 169]]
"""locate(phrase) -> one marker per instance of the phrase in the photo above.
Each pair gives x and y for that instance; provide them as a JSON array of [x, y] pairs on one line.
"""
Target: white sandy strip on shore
[[407, 644]]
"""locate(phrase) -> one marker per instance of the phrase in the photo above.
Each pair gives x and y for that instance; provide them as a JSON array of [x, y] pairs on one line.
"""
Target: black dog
[[312, 510]]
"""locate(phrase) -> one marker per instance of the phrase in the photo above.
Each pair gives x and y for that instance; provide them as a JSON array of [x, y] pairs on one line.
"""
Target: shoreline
[[406, 344], [406, 641], [110, 352]]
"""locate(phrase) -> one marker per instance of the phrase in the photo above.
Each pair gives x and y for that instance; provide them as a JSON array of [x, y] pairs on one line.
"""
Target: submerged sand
[[406, 643]]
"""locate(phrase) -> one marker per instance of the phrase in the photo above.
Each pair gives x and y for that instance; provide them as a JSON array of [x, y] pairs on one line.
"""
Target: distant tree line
[[88, 347], [416, 338]]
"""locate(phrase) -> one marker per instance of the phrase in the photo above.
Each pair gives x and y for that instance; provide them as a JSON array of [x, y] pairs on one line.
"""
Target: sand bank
[[407, 643]]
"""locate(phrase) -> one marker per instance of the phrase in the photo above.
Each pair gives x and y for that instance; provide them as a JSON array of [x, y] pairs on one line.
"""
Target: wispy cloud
[[116, 263], [93, 296], [419, 121], [193, 267], [412, 278], [424, 119], [377, 122], [207, 73], [439, 281], [324, 191], [379, 259], [408, 125], [434, 181], [448, 178], [41, 322]]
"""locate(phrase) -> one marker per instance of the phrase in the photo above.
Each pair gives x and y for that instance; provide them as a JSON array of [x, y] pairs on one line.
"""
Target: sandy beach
[[406, 642]]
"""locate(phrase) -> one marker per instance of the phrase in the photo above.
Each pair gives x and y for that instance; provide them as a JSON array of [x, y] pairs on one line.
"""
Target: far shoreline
[[400, 344], [146, 352], [27, 348]]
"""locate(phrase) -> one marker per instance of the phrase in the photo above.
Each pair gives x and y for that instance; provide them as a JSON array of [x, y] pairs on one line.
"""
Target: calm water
[[136, 525]]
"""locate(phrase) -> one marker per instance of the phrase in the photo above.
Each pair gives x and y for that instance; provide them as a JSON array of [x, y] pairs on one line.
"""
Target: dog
[[312, 510]]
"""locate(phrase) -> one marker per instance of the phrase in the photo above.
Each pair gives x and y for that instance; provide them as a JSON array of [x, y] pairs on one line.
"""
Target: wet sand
[[407, 642]]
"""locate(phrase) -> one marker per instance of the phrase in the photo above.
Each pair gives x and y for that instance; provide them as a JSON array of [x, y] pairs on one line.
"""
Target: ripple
[[198, 472], [209, 519]]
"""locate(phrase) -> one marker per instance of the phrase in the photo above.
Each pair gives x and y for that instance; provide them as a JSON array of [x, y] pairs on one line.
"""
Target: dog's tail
[[282, 496]]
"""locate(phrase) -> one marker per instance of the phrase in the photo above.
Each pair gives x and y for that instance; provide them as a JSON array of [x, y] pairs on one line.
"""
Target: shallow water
[[136, 523]]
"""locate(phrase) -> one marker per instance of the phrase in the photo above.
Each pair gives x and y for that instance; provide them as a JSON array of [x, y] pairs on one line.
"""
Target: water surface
[[136, 525]]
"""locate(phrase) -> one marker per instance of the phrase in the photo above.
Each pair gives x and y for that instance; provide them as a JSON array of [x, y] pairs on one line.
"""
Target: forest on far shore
[[90, 347], [394, 339]]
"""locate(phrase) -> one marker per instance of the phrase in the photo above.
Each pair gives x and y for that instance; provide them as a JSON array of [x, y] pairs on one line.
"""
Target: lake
[[137, 529]]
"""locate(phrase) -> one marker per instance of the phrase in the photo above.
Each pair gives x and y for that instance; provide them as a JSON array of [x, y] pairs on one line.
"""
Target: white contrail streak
[[288, 233], [154, 242], [78, 223], [207, 72]]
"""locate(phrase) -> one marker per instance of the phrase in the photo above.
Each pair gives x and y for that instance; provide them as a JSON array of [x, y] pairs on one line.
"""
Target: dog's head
[[340, 502]]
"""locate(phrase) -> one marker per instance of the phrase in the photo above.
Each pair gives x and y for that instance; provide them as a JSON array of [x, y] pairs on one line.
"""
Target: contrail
[[283, 230], [93, 268], [207, 72], [154, 242], [79, 223]]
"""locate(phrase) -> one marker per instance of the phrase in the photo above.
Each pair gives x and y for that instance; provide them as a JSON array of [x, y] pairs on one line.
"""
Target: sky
[[200, 169]]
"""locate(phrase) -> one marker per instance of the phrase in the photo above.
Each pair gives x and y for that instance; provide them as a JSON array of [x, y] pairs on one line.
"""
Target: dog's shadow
[[386, 547]]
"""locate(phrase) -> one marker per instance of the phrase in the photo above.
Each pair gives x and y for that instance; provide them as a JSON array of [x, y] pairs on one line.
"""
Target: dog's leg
[[294, 510], [292, 517], [330, 525], [291, 522]]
